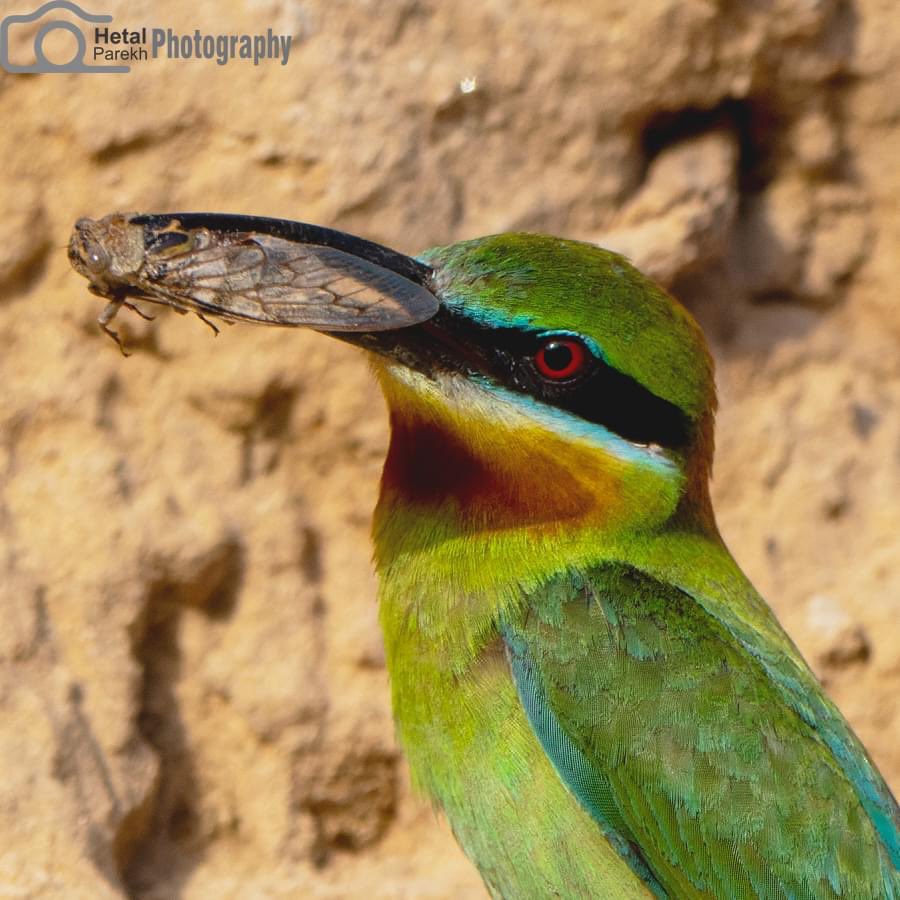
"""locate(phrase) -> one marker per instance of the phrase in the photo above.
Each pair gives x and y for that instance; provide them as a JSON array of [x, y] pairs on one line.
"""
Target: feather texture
[[664, 726]]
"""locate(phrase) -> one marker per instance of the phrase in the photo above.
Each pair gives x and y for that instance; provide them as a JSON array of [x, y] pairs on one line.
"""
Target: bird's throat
[[479, 484], [476, 464]]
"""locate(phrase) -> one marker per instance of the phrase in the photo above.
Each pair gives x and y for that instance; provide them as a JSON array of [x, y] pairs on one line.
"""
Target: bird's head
[[537, 386], [555, 387]]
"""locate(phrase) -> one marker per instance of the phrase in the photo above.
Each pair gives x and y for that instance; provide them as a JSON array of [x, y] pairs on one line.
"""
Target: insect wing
[[264, 278]]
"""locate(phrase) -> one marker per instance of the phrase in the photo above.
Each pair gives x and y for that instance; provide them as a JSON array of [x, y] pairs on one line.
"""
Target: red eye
[[560, 358]]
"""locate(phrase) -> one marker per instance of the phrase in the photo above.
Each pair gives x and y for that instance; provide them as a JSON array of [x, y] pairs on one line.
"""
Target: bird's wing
[[679, 742]]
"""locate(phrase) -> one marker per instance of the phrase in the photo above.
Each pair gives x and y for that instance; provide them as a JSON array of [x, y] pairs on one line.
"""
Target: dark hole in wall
[[756, 126]]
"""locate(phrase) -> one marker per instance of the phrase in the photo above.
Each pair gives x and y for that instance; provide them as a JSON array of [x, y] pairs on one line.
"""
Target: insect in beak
[[252, 269]]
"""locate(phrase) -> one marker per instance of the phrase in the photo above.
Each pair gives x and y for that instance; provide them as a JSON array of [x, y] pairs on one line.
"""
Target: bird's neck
[[478, 507]]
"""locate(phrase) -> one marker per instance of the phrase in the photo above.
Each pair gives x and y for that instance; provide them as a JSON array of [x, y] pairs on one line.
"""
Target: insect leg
[[138, 310], [103, 320], [211, 324]]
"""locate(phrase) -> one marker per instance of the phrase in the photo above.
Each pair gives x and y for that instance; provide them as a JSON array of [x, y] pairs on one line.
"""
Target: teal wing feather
[[709, 774]]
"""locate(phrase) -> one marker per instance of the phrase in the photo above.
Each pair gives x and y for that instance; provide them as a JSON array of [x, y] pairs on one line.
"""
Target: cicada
[[250, 269]]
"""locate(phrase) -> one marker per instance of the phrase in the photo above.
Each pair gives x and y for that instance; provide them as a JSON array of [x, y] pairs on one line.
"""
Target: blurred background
[[193, 701]]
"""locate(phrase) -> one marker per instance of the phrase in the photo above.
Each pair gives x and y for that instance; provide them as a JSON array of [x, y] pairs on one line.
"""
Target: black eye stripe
[[619, 403], [598, 393]]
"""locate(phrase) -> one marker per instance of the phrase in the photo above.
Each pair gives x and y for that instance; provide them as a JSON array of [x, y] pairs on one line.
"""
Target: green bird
[[583, 679]]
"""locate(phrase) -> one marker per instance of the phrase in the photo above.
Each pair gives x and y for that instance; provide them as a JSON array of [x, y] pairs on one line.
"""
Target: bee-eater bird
[[583, 679]]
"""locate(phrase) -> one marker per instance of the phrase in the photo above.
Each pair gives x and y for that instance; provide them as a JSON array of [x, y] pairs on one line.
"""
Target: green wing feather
[[697, 764]]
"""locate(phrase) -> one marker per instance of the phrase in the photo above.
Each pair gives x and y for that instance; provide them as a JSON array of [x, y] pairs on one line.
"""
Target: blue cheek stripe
[[562, 422]]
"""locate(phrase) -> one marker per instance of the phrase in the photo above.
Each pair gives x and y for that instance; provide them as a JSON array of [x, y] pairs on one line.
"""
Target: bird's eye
[[560, 358]]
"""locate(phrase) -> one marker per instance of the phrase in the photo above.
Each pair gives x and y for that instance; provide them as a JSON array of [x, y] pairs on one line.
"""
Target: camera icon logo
[[41, 62]]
